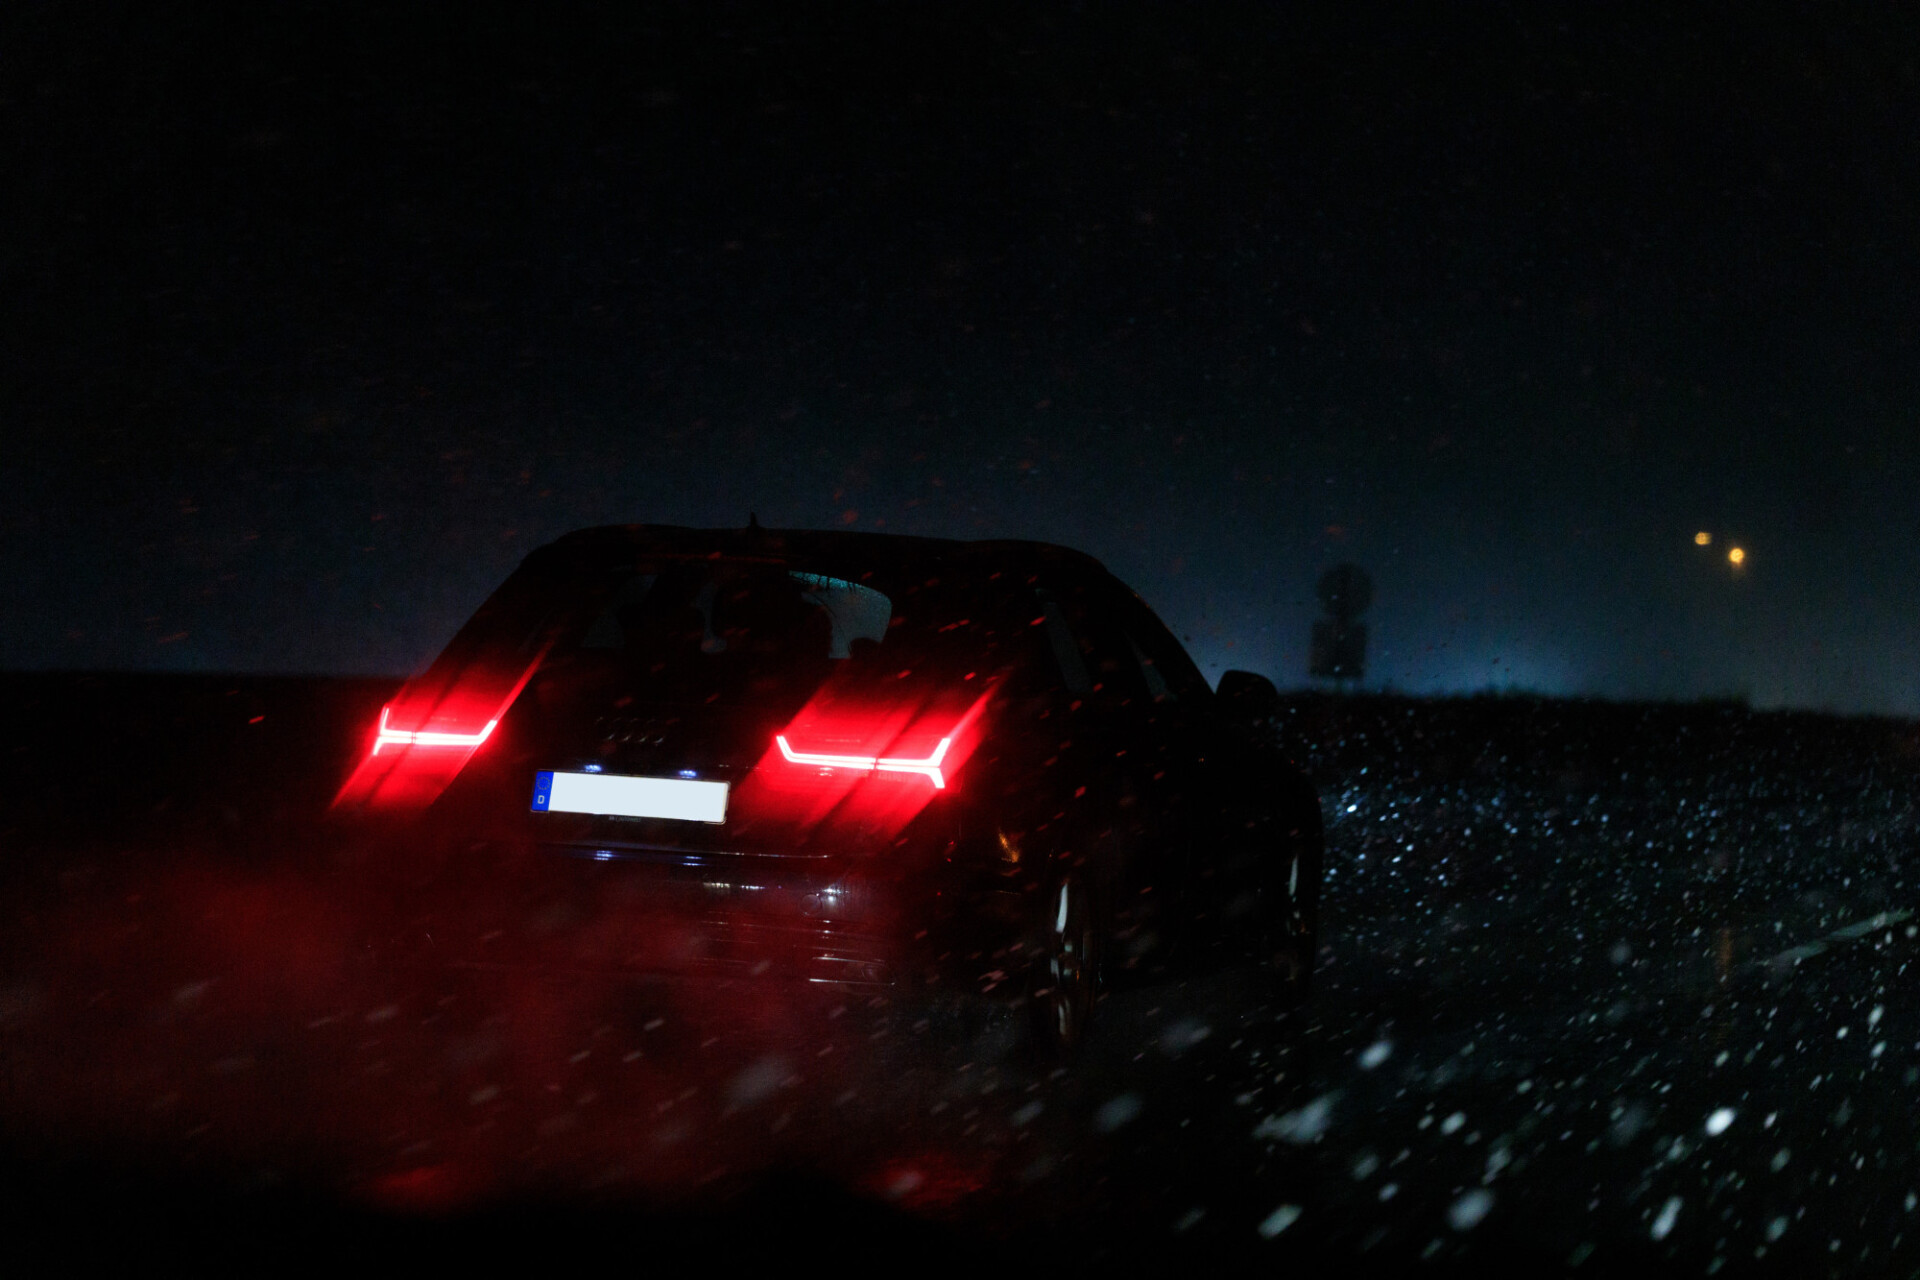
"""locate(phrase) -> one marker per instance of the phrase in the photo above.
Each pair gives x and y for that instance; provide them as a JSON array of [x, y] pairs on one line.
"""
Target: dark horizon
[[316, 322]]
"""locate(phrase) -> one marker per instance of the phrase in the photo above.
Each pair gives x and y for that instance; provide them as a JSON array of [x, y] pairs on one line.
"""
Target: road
[[1601, 988]]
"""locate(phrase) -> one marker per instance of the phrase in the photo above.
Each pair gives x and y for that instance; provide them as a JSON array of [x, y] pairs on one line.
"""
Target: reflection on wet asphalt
[[1603, 1018]]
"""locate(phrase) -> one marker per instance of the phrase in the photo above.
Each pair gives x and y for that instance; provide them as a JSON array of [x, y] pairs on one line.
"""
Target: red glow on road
[[427, 1189], [933, 1181], [928, 768]]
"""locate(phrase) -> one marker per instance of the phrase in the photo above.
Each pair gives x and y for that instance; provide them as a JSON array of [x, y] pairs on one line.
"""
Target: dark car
[[935, 769]]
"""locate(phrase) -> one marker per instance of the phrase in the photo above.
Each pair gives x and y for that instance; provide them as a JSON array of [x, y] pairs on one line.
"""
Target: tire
[[1064, 979]]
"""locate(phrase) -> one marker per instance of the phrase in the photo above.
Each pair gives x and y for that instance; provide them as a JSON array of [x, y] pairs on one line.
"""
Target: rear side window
[[1168, 672], [1069, 663], [1091, 649], [1150, 672]]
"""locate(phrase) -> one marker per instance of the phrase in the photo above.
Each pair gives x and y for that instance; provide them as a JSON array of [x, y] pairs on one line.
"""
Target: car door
[[1180, 766], [1109, 751]]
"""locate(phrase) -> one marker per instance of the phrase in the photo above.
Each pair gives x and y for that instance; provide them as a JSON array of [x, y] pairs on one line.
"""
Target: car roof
[[883, 552]]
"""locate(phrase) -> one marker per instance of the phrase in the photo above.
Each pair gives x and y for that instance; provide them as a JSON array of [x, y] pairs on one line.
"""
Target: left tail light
[[424, 738], [445, 714]]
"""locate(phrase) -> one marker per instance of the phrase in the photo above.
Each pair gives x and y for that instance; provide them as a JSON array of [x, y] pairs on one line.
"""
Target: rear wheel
[[1290, 935], [1064, 975]]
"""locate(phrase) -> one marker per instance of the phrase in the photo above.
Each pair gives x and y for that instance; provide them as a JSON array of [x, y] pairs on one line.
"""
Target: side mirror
[[1252, 705], [1249, 697]]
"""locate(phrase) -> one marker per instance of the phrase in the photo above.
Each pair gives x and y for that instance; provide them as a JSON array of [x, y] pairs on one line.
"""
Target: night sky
[[314, 320]]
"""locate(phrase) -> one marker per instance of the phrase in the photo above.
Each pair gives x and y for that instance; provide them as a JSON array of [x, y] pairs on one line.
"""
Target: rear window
[[716, 611], [690, 630]]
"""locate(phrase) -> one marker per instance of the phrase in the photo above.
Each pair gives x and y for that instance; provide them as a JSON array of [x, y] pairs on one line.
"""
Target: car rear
[[728, 755]]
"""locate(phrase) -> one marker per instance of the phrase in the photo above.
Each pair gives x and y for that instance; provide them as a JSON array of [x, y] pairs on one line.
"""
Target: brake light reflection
[[928, 768]]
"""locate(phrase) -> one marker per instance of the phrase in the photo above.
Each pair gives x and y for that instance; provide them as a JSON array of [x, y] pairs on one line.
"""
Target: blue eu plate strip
[[542, 791]]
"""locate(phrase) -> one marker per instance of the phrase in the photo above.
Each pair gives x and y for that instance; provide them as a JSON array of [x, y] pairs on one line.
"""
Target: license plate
[[615, 795]]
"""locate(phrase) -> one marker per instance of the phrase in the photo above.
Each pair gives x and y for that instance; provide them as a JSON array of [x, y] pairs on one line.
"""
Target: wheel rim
[[1068, 964], [1291, 937], [1286, 931]]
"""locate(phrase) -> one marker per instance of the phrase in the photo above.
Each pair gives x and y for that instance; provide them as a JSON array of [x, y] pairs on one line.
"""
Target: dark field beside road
[[1603, 986]]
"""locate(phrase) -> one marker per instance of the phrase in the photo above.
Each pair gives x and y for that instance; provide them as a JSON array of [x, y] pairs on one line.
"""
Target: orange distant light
[[1702, 538], [1736, 557]]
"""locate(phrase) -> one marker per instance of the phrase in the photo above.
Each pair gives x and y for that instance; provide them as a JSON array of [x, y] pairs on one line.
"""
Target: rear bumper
[[717, 948], [773, 920]]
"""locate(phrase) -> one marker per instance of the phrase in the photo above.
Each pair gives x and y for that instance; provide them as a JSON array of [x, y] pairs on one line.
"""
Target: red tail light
[[837, 746], [388, 737], [929, 767], [448, 721]]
